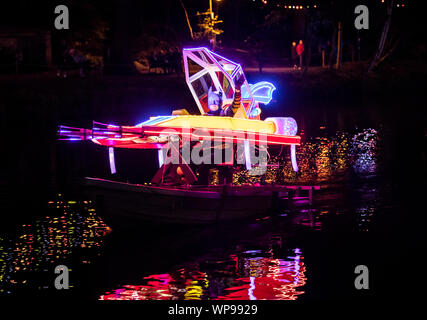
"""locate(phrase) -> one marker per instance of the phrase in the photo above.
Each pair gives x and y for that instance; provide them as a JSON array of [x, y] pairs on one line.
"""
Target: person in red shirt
[[300, 52]]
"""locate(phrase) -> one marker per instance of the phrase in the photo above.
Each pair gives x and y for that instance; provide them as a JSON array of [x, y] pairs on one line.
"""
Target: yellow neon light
[[225, 123]]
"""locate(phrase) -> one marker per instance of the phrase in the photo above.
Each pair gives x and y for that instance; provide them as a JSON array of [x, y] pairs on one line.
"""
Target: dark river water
[[301, 252], [363, 145]]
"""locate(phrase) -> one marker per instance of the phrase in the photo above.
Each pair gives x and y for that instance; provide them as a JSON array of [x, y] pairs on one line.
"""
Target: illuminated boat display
[[230, 114]]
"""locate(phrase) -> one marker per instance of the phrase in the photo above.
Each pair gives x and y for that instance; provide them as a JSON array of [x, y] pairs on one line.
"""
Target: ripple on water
[[241, 276]]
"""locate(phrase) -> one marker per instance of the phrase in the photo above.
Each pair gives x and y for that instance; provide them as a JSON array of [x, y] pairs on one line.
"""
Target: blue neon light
[[155, 120], [262, 91]]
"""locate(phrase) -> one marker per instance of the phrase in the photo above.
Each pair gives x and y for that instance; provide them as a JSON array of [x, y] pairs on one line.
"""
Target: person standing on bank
[[300, 52], [294, 55]]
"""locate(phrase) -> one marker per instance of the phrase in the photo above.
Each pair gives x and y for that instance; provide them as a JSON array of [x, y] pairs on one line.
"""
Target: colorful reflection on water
[[244, 276], [37, 248], [322, 159], [71, 230]]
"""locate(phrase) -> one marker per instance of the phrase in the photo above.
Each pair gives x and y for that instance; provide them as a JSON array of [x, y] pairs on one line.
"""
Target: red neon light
[[128, 136]]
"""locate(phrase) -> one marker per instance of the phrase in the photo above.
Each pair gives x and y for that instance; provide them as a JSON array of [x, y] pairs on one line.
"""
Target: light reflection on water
[[27, 257], [322, 159], [243, 276], [37, 248]]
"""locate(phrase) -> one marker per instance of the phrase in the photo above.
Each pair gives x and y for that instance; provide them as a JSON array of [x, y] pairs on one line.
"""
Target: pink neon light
[[134, 134]]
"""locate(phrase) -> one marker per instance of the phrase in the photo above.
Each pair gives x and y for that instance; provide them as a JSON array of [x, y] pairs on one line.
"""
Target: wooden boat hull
[[119, 202]]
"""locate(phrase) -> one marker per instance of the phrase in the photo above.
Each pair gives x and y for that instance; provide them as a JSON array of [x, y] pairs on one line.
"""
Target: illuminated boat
[[185, 202], [124, 203]]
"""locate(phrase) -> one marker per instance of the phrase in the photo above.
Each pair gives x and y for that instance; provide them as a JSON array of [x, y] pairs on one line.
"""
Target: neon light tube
[[247, 155], [161, 157], [112, 160], [294, 158], [251, 289]]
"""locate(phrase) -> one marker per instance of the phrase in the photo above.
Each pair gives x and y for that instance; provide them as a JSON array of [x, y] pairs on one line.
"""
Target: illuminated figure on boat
[[229, 114], [215, 101]]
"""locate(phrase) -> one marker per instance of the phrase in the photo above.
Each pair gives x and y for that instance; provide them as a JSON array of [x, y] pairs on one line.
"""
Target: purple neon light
[[73, 134], [221, 57], [211, 53], [238, 67], [219, 62], [215, 56]]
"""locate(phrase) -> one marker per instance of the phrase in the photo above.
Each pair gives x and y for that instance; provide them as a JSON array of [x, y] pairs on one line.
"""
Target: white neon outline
[[211, 69], [251, 288], [112, 160], [247, 149], [161, 157], [294, 158]]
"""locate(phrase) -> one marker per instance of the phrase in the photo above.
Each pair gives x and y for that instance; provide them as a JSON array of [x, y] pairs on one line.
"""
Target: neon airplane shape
[[203, 69]]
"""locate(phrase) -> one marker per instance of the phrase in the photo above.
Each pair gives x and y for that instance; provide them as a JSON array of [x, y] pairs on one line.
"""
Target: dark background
[[33, 103]]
